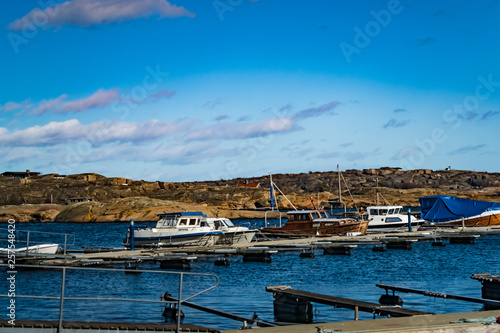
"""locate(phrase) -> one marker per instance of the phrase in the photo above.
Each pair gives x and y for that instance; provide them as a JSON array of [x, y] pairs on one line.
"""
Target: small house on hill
[[250, 185], [20, 174], [71, 201]]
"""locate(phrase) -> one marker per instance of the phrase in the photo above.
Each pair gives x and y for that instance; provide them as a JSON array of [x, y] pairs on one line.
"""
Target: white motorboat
[[232, 234], [175, 229], [40, 248], [390, 218], [189, 229]]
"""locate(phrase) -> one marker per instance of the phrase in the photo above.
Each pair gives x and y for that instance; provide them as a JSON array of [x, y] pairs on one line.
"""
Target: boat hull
[[148, 238], [236, 237], [41, 248], [317, 228], [395, 226], [484, 220]]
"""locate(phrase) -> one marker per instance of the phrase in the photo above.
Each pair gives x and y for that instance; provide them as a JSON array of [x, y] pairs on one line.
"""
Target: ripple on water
[[242, 284]]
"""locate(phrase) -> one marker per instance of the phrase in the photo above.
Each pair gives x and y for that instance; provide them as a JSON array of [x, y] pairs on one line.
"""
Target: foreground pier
[[470, 322]]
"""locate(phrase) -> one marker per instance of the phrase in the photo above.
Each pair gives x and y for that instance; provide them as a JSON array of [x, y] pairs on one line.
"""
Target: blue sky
[[217, 89]]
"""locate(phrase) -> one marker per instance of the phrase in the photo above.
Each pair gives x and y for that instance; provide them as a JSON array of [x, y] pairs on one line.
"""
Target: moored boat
[[175, 229], [39, 248], [449, 211], [189, 229], [231, 234], [390, 218], [317, 223]]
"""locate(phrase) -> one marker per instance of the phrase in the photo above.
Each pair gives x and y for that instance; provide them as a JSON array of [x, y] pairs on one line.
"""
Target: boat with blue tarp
[[443, 210]]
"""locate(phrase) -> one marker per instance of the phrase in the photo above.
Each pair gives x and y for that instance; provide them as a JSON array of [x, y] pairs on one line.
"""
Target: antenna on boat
[[377, 191]]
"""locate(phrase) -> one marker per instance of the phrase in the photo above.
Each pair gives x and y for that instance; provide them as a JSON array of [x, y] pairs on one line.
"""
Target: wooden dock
[[90, 327], [346, 303], [470, 322]]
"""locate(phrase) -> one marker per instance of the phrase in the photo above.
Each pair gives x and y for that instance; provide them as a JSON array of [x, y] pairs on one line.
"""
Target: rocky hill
[[44, 198]]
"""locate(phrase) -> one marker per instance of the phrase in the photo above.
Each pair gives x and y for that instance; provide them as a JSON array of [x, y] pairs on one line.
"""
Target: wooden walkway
[[347, 303], [34, 325]]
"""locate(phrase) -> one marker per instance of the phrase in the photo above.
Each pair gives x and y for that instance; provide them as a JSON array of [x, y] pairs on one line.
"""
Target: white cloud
[[21, 154], [97, 133], [88, 13], [229, 131]]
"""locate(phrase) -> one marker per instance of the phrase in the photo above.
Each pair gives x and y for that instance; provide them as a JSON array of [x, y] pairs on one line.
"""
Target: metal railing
[[62, 298], [28, 241]]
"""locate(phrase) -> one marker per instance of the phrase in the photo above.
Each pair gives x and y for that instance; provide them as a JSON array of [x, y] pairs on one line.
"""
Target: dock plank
[[125, 326], [347, 303]]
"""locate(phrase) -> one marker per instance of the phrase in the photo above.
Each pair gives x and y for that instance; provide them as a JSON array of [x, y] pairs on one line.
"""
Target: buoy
[[221, 262], [132, 268], [307, 254], [390, 300], [381, 248]]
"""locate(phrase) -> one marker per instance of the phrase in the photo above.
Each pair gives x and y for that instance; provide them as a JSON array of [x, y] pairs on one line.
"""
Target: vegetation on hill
[[119, 199]]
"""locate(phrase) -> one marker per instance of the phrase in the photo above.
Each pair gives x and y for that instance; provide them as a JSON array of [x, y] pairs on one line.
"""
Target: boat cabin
[[219, 223], [182, 219], [306, 215], [384, 210]]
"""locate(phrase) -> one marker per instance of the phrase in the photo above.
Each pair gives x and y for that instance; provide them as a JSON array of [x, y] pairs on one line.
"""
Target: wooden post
[[356, 313]]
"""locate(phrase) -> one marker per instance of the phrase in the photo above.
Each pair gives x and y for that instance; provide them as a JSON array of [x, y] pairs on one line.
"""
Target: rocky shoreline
[[45, 198]]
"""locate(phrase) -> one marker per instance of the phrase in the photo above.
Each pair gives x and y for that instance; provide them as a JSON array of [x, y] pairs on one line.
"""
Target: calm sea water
[[242, 284]]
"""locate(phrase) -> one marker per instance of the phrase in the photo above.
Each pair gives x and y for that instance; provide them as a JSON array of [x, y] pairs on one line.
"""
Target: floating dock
[[471, 322], [22, 326], [284, 292]]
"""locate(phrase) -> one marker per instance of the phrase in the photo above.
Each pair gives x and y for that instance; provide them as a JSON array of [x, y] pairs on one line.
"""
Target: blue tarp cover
[[442, 208]]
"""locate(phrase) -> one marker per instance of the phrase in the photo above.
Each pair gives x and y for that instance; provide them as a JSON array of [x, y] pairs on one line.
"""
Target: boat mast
[[273, 185], [272, 198], [340, 190], [377, 192]]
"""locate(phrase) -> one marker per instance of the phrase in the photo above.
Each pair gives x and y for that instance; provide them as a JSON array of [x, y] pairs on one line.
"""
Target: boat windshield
[[323, 214], [228, 222], [373, 211], [315, 215], [391, 211], [168, 221], [382, 211]]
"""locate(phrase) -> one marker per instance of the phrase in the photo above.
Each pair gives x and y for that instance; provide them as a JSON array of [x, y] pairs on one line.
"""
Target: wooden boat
[[317, 223], [448, 211]]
